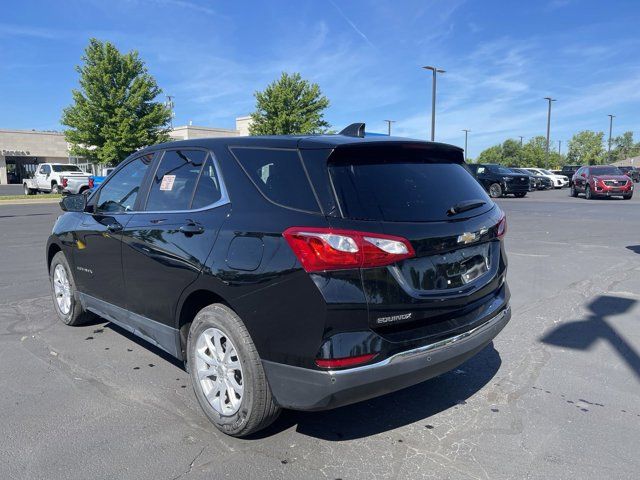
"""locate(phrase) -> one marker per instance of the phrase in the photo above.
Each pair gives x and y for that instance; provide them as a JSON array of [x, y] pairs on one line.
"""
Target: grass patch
[[31, 197]]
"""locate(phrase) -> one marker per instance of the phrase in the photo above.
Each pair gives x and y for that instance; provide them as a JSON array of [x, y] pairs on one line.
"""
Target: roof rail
[[353, 130]]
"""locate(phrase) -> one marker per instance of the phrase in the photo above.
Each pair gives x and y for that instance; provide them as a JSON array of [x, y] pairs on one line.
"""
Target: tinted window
[[279, 175], [175, 180], [209, 189], [499, 169], [120, 192], [605, 171], [65, 168], [45, 169], [404, 192]]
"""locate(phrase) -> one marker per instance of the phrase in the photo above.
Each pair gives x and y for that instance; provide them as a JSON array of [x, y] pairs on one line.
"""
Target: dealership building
[[22, 150]]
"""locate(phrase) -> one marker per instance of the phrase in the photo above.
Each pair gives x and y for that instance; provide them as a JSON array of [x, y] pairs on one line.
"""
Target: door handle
[[114, 227], [191, 229]]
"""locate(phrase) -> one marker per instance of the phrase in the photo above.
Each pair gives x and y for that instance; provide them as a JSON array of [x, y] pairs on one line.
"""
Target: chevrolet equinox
[[299, 272]]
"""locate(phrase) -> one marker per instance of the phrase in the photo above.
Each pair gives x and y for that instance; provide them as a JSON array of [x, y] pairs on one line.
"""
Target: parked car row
[[499, 180]]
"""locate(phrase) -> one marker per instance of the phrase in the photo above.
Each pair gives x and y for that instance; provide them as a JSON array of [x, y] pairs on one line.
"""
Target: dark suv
[[289, 272], [500, 181]]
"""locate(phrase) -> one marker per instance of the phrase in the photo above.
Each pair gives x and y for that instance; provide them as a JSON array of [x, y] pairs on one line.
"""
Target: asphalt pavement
[[557, 394]]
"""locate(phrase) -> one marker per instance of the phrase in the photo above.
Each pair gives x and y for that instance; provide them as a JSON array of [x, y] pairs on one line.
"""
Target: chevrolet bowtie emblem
[[467, 237]]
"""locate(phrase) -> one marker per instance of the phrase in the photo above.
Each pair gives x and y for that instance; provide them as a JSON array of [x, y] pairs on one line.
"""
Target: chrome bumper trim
[[425, 350]]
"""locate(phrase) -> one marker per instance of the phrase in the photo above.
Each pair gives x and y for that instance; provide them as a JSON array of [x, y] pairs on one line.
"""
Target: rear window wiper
[[465, 206]]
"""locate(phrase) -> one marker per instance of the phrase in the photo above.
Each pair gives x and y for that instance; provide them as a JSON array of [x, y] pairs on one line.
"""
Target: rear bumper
[[306, 389]]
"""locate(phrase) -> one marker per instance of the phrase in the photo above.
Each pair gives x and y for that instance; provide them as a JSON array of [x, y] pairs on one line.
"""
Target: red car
[[601, 181]]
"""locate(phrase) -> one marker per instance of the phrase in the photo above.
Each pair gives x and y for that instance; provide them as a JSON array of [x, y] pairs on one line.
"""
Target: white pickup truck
[[53, 177]]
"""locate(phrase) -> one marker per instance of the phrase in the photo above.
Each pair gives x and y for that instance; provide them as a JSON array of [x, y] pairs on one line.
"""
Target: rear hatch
[[424, 193]]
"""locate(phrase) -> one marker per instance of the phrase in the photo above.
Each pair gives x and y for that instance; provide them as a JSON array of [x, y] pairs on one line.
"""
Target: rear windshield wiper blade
[[465, 206]]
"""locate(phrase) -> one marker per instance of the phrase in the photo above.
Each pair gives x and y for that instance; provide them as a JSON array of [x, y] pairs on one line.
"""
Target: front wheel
[[587, 193], [573, 191], [63, 290], [520, 195], [28, 191], [495, 190], [627, 197], [227, 374]]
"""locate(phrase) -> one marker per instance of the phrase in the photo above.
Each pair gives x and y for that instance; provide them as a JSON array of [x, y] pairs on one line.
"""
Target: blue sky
[[501, 59]]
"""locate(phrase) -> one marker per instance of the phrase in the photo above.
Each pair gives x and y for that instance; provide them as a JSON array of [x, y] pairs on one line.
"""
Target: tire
[[28, 191], [256, 408], [495, 190], [587, 193], [627, 197], [573, 191], [520, 195], [75, 315]]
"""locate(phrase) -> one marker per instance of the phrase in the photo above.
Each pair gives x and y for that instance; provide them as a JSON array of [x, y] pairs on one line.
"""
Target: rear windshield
[[405, 191], [65, 168]]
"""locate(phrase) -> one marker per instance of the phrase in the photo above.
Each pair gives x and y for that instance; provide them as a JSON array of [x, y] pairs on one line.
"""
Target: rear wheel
[[227, 375], [63, 289], [495, 190], [55, 188], [520, 195]]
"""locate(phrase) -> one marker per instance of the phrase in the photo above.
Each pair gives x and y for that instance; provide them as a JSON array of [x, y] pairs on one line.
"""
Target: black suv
[[289, 272], [500, 181]]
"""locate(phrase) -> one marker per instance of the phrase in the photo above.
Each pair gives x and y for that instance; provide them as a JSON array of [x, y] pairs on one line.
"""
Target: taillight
[[91, 182], [502, 226], [344, 362], [321, 249], [64, 182]]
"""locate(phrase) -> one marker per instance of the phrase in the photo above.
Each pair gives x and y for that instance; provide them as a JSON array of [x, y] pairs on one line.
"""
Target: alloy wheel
[[62, 289], [219, 371]]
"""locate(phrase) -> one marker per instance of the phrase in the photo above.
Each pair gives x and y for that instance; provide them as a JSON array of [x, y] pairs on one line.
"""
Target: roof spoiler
[[353, 130]]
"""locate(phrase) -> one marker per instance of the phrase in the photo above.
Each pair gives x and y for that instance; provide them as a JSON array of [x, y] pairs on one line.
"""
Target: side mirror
[[74, 203], [584, 175]]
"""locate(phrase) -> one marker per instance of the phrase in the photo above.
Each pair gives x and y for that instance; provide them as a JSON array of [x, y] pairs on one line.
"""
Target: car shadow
[[634, 248], [583, 334], [144, 344], [394, 410]]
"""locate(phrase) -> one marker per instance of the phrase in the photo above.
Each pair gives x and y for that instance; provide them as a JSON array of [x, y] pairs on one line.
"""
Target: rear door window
[[209, 189], [173, 185], [402, 191], [279, 175]]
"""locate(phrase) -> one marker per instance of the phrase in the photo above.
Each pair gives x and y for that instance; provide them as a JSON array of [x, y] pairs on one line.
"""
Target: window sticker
[[167, 183]]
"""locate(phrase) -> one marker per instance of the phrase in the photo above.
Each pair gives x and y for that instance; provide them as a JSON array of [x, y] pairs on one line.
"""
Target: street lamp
[[169, 104], [435, 71], [466, 134], [521, 139], [549, 99], [559, 146], [611, 117], [389, 122]]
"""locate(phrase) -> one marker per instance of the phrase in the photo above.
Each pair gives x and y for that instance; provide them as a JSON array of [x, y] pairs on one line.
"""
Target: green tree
[[491, 155], [114, 112], [586, 148], [511, 152], [624, 147], [534, 152], [289, 106]]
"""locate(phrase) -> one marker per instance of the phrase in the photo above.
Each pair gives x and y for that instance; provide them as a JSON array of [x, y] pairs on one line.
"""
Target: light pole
[[389, 122], [466, 134], [521, 138], [435, 71], [169, 104], [559, 146], [610, 130], [549, 99]]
